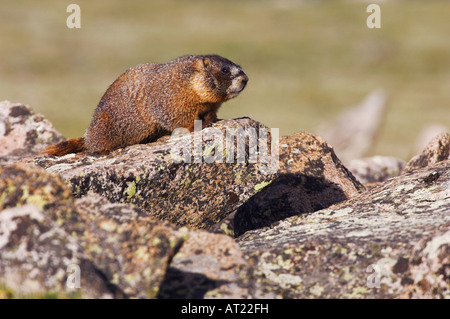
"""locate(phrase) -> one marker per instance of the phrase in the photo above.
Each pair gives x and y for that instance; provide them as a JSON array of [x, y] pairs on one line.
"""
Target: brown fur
[[151, 100]]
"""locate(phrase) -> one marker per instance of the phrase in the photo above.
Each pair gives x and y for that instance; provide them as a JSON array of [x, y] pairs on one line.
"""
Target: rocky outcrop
[[140, 223], [118, 251], [39, 259], [197, 194]]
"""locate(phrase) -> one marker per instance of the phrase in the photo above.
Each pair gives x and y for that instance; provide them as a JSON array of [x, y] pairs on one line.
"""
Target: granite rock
[[391, 241], [310, 177], [40, 260], [23, 132], [198, 194], [118, 250]]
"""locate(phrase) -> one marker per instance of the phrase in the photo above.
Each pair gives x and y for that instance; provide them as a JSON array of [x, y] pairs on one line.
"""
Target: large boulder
[[129, 253], [117, 250], [391, 241], [40, 260], [155, 178], [310, 178]]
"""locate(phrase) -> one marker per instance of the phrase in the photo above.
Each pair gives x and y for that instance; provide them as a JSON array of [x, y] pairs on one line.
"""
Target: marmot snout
[[151, 100]]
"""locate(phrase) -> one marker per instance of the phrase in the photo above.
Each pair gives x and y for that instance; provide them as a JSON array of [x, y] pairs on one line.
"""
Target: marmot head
[[217, 79]]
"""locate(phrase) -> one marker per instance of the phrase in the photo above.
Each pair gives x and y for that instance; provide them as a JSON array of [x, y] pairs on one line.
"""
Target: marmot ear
[[206, 63]]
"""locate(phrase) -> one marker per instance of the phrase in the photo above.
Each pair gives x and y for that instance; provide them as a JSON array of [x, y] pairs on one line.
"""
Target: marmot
[[151, 100]]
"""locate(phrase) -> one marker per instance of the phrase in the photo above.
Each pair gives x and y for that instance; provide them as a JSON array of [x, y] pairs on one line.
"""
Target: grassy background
[[307, 60]]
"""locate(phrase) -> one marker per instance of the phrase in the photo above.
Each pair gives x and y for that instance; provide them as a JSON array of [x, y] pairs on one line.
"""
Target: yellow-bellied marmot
[[151, 100]]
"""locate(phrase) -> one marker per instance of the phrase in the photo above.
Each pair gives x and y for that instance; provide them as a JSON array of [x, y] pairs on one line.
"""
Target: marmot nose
[[244, 78]]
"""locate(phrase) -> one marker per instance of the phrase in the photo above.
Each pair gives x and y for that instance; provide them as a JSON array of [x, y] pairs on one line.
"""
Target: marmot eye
[[225, 71]]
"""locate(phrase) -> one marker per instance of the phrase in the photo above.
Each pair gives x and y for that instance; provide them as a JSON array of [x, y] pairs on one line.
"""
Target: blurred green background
[[307, 60]]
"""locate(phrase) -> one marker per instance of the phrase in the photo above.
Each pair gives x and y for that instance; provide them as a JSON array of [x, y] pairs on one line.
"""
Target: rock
[[129, 251], [390, 241], [149, 176], [23, 184], [147, 258], [376, 168], [132, 250], [211, 266], [23, 132], [353, 133], [120, 251], [438, 149], [310, 178], [38, 259], [428, 268]]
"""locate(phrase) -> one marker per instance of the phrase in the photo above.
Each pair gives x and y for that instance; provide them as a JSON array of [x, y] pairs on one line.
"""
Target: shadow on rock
[[186, 285], [288, 195]]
